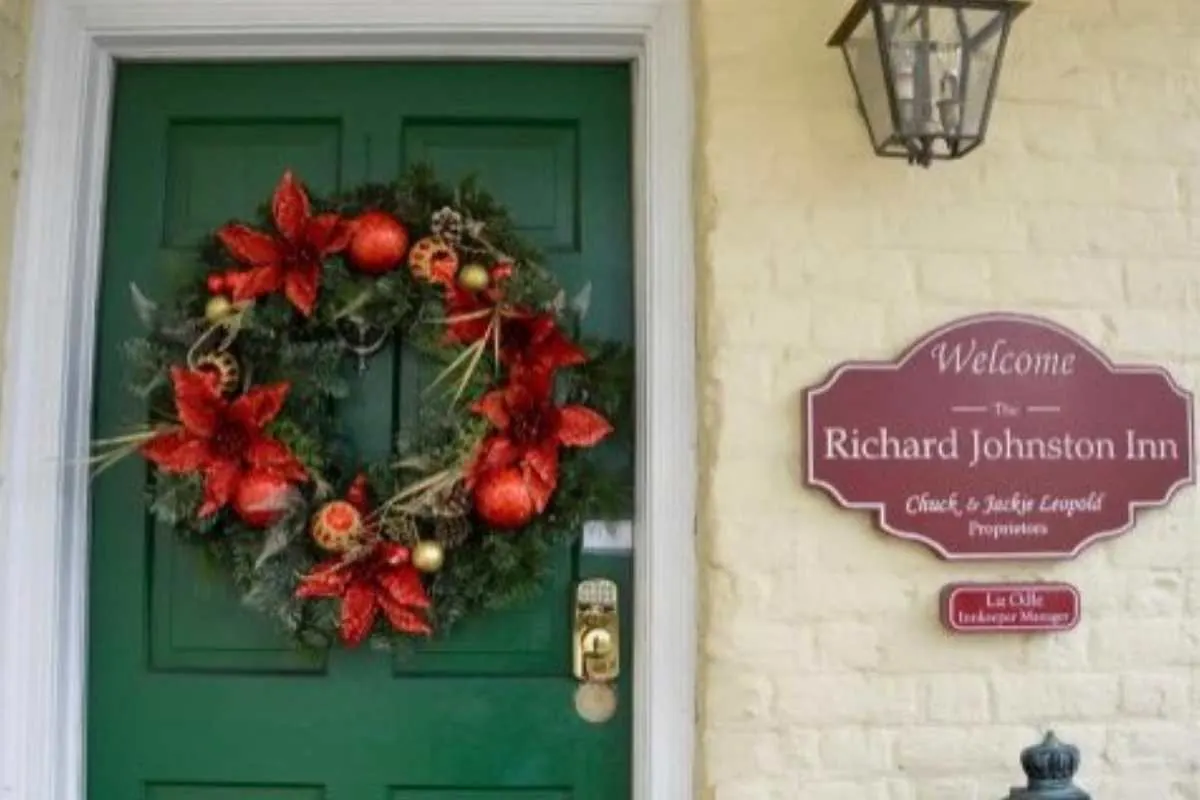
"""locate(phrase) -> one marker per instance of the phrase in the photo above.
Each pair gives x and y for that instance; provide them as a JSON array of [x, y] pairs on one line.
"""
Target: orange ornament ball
[[434, 259], [503, 499], [378, 243], [260, 498], [337, 527]]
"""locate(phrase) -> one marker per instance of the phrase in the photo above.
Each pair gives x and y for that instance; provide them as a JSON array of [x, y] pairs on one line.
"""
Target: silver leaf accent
[[145, 308], [283, 532], [582, 301]]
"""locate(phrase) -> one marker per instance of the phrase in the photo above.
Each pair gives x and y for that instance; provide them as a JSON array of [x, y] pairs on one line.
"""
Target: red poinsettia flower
[[382, 580], [515, 471], [533, 343], [469, 312], [223, 440], [291, 260]]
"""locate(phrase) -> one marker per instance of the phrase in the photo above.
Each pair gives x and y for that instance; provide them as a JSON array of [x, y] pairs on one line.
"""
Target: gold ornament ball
[[474, 277], [428, 556], [218, 308]]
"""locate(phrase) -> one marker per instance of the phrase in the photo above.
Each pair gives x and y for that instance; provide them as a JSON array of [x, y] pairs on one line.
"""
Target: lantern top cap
[[861, 7]]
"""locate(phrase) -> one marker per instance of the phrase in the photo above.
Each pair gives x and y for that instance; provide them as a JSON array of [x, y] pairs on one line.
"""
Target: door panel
[[192, 696], [528, 639], [159, 791], [460, 794], [535, 163], [214, 165], [198, 623]]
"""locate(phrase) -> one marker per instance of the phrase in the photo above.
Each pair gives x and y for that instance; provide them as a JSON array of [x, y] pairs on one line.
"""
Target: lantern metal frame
[[919, 148]]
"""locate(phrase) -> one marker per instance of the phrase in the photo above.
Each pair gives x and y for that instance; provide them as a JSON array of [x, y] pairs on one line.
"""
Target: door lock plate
[[597, 642]]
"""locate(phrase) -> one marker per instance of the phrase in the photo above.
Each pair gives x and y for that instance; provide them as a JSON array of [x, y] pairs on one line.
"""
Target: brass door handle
[[597, 632], [596, 641]]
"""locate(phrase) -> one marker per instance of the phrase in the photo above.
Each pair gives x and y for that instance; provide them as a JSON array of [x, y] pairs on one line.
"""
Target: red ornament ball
[[503, 499], [260, 498], [378, 242]]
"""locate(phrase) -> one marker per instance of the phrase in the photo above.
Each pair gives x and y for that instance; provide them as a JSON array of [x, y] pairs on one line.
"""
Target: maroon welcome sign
[[1000, 436]]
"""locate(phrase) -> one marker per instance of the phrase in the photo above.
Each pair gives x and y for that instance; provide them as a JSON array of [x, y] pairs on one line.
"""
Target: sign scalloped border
[[879, 509]]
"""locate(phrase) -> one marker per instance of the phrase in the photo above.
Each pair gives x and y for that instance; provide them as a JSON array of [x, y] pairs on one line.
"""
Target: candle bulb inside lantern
[[949, 108], [906, 85]]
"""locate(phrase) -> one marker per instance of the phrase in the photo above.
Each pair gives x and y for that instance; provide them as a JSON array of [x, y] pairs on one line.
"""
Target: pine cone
[[448, 224], [402, 527], [452, 531], [452, 503]]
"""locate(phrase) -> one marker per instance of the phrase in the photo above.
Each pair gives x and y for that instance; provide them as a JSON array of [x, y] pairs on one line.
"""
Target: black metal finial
[[1050, 768]]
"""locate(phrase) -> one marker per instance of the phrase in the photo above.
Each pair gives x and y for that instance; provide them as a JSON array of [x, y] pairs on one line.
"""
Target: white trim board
[[47, 382]]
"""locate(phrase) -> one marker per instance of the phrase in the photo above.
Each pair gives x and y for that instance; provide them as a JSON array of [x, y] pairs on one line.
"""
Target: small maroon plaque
[[1010, 607], [1000, 436]]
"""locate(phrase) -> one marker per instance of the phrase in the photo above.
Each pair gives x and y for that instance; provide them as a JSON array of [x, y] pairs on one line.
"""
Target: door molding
[[53, 288]]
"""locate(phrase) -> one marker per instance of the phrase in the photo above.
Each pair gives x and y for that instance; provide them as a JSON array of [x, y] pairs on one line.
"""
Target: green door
[[193, 697]]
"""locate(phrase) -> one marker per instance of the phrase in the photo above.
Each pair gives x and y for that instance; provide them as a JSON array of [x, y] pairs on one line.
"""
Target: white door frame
[[47, 383]]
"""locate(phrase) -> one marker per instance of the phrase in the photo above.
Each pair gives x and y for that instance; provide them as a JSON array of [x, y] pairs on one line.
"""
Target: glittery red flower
[[357, 494], [533, 346], [289, 260], [223, 440], [382, 580], [529, 429]]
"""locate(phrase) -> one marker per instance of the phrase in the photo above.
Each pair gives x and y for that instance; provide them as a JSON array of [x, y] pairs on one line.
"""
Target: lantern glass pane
[[982, 58], [866, 68], [943, 60]]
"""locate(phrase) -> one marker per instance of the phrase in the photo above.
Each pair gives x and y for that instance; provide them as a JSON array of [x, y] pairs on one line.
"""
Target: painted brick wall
[[14, 26], [826, 674]]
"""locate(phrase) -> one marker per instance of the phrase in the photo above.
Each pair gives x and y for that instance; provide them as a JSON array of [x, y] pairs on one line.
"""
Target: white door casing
[[47, 382]]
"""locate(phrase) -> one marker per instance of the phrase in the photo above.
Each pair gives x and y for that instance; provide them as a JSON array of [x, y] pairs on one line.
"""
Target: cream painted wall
[[826, 674], [14, 26]]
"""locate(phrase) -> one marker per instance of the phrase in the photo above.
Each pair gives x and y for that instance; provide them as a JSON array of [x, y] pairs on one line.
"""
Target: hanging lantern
[[926, 71]]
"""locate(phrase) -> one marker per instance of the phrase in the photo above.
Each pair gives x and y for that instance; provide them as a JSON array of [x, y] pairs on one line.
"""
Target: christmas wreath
[[244, 367]]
